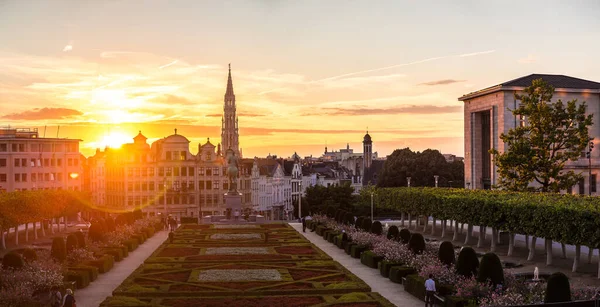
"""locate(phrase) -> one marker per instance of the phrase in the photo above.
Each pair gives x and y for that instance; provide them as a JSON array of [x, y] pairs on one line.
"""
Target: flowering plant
[[442, 273], [469, 287], [79, 255], [500, 298]]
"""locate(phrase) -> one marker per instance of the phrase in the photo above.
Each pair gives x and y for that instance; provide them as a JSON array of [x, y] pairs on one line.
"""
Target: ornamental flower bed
[[178, 253], [210, 273], [356, 299]]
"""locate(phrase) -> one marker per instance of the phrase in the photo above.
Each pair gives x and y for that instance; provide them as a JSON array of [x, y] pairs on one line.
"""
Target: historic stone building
[[165, 177], [487, 115]]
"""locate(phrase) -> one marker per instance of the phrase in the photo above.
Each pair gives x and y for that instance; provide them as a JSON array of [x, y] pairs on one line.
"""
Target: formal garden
[[241, 265], [73, 261], [465, 277]]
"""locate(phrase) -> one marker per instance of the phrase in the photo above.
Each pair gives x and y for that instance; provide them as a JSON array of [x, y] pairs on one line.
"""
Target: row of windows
[[37, 147], [176, 155], [35, 177], [174, 171], [22, 162]]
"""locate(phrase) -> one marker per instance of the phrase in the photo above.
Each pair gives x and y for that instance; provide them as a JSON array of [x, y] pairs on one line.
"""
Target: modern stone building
[[31, 162], [487, 115]]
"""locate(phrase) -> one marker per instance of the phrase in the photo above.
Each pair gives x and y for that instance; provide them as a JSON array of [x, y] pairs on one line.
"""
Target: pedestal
[[233, 201]]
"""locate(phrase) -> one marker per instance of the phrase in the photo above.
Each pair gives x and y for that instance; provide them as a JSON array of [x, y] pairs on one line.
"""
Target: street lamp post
[[408, 181], [436, 180], [165, 196], [589, 156], [372, 205], [300, 199]]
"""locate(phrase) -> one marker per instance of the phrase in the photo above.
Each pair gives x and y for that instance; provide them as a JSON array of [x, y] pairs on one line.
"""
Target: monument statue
[[232, 171]]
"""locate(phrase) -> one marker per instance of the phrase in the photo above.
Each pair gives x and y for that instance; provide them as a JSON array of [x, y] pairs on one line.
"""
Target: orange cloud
[[44, 113]]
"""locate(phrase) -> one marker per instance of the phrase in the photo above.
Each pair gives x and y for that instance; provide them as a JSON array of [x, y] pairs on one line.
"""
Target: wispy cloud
[[378, 69], [402, 65], [476, 53], [442, 82], [363, 110], [531, 58], [167, 65], [44, 113], [68, 48]]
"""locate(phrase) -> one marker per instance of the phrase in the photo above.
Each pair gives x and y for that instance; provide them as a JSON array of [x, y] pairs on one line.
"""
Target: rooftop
[[558, 81]]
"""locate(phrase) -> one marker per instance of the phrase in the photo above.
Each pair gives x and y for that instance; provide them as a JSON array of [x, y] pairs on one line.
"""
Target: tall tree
[[537, 151], [421, 167]]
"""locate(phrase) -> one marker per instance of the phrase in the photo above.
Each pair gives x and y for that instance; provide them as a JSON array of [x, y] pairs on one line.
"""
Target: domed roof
[[176, 138]]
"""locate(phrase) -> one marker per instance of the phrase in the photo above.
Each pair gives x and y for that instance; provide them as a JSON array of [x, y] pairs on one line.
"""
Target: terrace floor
[[102, 287], [393, 292]]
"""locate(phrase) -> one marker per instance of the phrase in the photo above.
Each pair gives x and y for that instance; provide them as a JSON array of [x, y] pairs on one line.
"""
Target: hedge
[[81, 278], [414, 284], [90, 270], [398, 272], [385, 266], [369, 259], [104, 263], [534, 214]]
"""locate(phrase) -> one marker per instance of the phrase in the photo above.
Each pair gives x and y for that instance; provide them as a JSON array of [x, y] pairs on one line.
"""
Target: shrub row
[[524, 213]]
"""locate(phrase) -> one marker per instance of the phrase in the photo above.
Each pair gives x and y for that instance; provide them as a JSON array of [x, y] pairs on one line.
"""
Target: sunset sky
[[306, 73]]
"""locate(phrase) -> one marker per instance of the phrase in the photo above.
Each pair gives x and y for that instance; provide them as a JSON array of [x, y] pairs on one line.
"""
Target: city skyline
[[306, 75]]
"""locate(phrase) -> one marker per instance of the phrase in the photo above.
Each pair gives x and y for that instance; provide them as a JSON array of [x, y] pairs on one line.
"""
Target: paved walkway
[[102, 287], [393, 292]]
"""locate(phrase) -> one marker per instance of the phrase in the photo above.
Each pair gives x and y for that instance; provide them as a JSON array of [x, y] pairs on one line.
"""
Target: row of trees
[[24, 207], [421, 167]]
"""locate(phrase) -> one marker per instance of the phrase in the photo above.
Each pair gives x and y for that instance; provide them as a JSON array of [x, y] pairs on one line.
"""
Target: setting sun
[[115, 140]]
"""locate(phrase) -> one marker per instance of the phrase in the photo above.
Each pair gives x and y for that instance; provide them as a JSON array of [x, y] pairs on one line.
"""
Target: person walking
[[69, 299], [429, 290], [56, 297], [303, 223]]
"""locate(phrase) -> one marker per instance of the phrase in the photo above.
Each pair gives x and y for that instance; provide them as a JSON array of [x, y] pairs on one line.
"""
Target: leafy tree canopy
[[421, 167], [553, 134]]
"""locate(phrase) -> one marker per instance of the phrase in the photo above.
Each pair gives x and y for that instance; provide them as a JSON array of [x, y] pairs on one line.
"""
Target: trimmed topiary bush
[[96, 231], [366, 224], [558, 289], [29, 255], [80, 239], [59, 249], [137, 214], [348, 218], [12, 260], [467, 263], [109, 223], [358, 223], [416, 244], [393, 232], [404, 236], [446, 253], [330, 212], [121, 220], [376, 228], [71, 242], [490, 269]]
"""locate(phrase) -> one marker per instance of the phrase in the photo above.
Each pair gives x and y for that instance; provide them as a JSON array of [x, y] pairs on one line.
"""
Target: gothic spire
[[229, 91]]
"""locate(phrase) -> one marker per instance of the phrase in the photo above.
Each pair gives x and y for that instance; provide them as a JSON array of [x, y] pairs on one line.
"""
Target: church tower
[[229, 122], [367, 151]]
